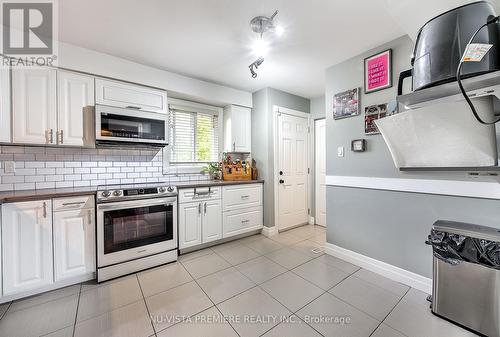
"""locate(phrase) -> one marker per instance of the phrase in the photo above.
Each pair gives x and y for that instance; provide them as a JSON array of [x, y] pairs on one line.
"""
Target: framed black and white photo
[[346, 104]]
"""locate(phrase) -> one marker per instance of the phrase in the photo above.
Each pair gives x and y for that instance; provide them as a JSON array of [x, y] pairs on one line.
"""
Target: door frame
[[277, 111], [316, 208]]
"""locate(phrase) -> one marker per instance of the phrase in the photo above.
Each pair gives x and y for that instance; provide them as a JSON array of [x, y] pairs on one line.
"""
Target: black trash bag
[[454, 248]]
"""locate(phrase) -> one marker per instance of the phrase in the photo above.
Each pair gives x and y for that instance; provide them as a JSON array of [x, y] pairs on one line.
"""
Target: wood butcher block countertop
[[30, 195]]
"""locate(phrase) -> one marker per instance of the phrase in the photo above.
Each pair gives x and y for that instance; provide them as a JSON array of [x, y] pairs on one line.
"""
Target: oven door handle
[[136, 204]]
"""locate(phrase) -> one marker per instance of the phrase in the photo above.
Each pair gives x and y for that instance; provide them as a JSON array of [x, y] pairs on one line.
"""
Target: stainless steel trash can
[[466, 280]]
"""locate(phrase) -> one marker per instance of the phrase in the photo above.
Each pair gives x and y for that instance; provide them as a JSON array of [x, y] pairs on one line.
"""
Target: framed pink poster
[[378, 71]]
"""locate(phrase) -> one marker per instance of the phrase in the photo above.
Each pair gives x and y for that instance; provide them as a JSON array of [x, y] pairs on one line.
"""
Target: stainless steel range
[[136, 228]]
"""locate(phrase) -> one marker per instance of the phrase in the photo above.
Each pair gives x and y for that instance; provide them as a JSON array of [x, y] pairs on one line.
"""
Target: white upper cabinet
[[27, 246], [5, 134], [75, 95], [34, 106], [237, 129], [125, 95]]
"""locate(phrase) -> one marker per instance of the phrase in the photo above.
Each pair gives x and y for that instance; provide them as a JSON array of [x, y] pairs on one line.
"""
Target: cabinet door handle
[[73, 203], [245, 196], [205, 211], [234, 146], [51, 136], [199, 208], [61, 133], [45, 210], [89, 214]]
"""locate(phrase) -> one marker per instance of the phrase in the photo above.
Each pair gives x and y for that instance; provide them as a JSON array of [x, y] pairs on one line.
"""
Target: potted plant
[[213, 169]]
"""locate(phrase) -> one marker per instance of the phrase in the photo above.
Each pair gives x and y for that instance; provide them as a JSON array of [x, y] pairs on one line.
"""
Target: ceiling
[[211, 39]]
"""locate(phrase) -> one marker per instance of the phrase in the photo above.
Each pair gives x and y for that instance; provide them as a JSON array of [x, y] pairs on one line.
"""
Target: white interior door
[[320, 174], [293, 136]]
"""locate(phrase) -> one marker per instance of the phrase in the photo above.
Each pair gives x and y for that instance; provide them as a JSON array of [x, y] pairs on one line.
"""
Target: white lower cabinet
[[74, 243], [199, 222], [189, 225], [221, 213], [242, 221], [27, 246], [46, 244], [212, 221]]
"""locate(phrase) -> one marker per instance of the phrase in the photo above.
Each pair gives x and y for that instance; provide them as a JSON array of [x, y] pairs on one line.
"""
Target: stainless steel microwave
[[122, 127]]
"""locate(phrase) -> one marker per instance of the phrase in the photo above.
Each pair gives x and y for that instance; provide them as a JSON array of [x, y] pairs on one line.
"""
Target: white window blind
[[194, 137]]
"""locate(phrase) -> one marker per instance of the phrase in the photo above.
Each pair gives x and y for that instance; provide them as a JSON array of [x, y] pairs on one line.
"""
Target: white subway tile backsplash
[[6, 187], [81, 170], [62, 184], [45, 171], [34, 164], [23, 157], [12, 179], [54, 177], [25, 171], [89, 176], [83, 183], [72, 164], [72, 177], [89, 164], [64, 170], [34, 179], [43, 185], [97, 170], [24, 186], [46, 167]]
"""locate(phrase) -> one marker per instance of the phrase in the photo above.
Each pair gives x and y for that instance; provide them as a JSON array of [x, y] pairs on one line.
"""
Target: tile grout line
[[407, 291], [77, 307], [214, 305], [145, 304]]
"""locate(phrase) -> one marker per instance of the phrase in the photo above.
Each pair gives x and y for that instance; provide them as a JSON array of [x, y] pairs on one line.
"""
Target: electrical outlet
[[340, 151], [10, 167]]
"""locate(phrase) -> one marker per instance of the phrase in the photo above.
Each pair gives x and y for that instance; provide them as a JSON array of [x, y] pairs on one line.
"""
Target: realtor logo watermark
[[29, 33]]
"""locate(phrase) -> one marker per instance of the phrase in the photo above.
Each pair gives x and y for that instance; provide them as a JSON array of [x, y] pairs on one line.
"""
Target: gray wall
[[318, 107], [262, 137], [388, 226]]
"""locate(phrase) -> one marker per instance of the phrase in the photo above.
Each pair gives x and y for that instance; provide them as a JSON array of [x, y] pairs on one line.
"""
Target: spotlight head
[[255, 65]]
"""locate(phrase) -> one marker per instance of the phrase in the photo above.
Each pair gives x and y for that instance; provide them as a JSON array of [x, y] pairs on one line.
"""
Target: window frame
[[194, 107]]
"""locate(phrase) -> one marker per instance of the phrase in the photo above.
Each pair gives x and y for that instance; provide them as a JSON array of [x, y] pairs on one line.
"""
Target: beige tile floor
[[255, 286]]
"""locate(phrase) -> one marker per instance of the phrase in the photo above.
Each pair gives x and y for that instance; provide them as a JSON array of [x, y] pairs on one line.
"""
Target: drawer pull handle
[[73, 203], [202, 194], [245, 221], [133, 107], [245, 196]]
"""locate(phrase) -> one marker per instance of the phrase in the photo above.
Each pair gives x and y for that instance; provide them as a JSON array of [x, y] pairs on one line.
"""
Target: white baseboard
[[394, 273], [269, 231]]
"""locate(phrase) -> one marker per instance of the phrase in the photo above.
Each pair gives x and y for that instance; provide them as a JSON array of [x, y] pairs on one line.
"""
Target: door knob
[[281, 181]]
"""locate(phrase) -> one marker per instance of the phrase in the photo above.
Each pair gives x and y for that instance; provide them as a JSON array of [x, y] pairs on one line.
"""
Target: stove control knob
[[170, 189], [161, 189], [106, 194], [117, 193]]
